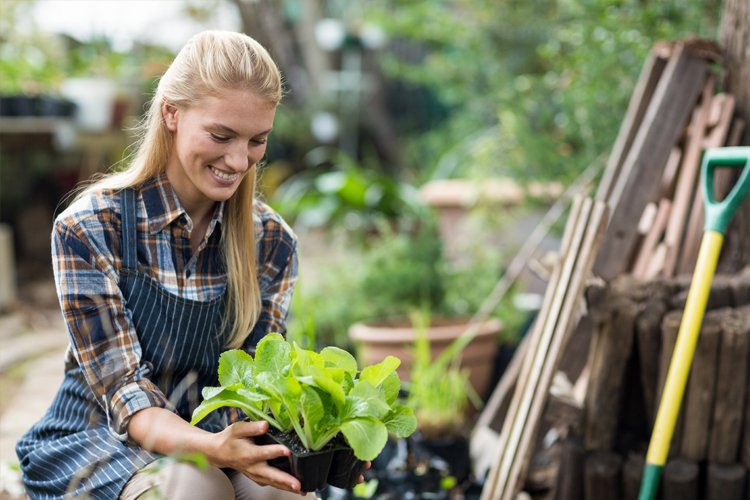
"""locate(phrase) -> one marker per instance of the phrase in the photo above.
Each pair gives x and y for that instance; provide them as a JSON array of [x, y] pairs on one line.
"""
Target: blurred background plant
[[382, 97]]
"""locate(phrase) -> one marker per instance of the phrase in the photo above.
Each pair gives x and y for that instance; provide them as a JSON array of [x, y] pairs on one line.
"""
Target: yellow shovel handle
[[687, 337]]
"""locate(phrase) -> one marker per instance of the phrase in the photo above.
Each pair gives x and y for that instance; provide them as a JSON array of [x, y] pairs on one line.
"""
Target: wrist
[[206, 443]]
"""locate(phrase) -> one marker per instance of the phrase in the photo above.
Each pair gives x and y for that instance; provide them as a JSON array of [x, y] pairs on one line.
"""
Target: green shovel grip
[[720, 213]]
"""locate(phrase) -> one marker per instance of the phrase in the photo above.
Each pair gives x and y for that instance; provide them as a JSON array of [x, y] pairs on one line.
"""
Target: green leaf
[[235, 366], [376, 374], [366, 436], [248, 401], [273, 355], [364, 400], [366, 489], [318, 395], [401, 421], [328, 385], [390, 387], [339, 358]]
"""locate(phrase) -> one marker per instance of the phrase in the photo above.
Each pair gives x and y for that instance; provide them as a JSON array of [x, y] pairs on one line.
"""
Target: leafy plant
[[440, 392], [344, 193], [316, 395], [403, 272]]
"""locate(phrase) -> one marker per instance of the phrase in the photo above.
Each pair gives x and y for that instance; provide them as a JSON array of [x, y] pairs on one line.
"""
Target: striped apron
[[71, 452]]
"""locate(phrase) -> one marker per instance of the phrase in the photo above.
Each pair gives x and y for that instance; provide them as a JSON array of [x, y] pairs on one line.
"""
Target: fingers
[[249, 429], [271, 451], [266, 475]]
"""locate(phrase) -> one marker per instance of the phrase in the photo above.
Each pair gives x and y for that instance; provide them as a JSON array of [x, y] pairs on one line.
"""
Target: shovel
[[718, 216]]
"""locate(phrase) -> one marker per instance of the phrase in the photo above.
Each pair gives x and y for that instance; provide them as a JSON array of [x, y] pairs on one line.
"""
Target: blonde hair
[[210, 62]]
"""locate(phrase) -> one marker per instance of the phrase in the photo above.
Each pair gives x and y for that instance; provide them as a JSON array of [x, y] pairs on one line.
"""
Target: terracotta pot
[[375, 341]]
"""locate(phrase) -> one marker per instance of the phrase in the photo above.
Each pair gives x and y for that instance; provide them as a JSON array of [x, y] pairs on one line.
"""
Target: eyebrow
[[234, 132]]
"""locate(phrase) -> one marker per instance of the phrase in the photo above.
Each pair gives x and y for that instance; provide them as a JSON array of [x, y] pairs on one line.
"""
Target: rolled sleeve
[[128, 400], [104, 343]]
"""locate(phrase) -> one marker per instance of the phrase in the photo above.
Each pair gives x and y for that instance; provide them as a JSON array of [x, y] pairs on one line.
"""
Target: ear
[[169, 114]]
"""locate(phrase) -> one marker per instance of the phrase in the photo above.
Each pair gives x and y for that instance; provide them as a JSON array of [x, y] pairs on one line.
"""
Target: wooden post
[[725, 482], [700, 390], [570, 474], [613, 344], [681, 480], [741, 289], [744, 312], [602, 476], [648, 339], [632, 474], [726, 425]]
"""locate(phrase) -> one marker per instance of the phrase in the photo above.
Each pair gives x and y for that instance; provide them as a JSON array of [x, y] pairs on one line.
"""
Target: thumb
[[249, 429]]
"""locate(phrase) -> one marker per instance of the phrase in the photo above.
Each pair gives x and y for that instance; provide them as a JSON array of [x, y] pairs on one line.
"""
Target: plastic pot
[[311, 468], [345, 469]]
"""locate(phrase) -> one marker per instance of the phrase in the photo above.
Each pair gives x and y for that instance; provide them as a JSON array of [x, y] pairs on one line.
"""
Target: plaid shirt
[[86, 256]]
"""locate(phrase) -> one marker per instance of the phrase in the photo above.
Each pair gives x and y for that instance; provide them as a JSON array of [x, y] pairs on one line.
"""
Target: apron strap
[[129, 229]]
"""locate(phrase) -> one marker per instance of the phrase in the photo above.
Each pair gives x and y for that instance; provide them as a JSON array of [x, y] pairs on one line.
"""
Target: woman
[[158, 269]]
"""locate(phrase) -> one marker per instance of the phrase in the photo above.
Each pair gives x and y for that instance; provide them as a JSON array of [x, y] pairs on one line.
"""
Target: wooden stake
[[687, 181], [726, 425], [602, 476], [648, 342], [606, 387], [656, 231], [701, 390], [572, 302], [493, 480], [632, 474], [681, 480], [725, 482]]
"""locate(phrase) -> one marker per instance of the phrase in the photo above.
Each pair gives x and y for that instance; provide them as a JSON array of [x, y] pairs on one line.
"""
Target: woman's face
[[215, 142]]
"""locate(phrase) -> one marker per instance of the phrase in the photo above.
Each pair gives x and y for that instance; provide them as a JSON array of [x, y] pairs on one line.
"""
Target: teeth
[[222, 175]]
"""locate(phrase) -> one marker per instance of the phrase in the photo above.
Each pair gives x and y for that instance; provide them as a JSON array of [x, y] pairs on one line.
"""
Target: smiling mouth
[[223, 175]]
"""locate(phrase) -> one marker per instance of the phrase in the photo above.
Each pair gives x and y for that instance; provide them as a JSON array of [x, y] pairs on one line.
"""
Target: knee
[[188, 482]]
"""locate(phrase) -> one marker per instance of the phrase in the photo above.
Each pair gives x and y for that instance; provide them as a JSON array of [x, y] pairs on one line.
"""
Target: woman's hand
[[361, 479], [164, 432], [233, 448]]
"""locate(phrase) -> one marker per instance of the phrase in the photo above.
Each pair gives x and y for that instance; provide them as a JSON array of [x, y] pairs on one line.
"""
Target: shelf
[[10, 125]]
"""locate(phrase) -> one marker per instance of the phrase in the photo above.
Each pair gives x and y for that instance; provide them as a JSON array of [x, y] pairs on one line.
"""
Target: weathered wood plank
[[643, 92], [688, 179], [668, 111]]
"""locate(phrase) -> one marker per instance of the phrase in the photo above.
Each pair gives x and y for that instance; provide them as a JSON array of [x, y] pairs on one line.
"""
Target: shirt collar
[[163, 207]]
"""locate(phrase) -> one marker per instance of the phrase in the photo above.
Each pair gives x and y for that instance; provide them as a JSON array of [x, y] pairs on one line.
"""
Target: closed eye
[[219, 138], [259, 141]]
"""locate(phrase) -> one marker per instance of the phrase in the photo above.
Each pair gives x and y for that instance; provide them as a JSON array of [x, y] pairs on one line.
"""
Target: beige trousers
[[179, 481]]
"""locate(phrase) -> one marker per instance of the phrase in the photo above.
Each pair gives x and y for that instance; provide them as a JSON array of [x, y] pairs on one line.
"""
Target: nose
[[237, 157]]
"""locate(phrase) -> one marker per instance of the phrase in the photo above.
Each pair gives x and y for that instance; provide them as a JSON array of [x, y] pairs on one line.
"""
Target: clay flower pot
[[377, 340]]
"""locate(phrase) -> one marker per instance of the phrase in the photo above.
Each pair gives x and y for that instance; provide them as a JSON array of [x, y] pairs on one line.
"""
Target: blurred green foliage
[[536, 88], [339, 191], [33, 61], [397, 272]]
